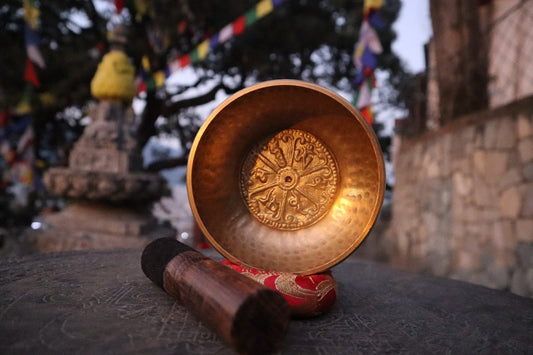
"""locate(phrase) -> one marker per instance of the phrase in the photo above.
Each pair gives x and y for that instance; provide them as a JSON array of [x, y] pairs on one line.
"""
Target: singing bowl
[[285, 176]]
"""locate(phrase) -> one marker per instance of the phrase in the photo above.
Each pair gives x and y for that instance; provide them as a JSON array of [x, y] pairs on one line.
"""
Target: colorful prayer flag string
[[233, 29], [32, 40], [367, 48]]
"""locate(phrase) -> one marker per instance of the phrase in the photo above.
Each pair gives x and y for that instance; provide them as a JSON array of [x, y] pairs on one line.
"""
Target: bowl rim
[[302, 84]]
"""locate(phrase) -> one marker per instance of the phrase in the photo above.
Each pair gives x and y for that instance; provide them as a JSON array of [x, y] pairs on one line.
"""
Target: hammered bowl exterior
[[286, 176]]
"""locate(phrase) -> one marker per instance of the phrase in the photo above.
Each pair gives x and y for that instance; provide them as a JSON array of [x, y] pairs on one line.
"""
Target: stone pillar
[[110, 193]]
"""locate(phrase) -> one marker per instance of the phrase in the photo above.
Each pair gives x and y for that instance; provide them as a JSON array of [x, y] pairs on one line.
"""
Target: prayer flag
[[30, 74], [185, 60], [372, 4], [24, 105], [31, 38], [203, 48], [214, 41], [368, 114], [376, 20], [145, 62], [368, 59], [35, 56], [239, 25], [363, 96], [159, 78], [226, 33], [194, 56], [251, 16], [174, 66], [264, 7], [119, 5], [31, 13]]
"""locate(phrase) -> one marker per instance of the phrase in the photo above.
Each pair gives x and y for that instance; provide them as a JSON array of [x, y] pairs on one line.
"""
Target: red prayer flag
[[239, 25], [4, 118], [141, 87], [185, 60], [368, 114], [119, 4], [30, 74]]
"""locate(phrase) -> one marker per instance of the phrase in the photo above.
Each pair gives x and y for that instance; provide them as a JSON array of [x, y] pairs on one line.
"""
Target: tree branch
[[209, 96]]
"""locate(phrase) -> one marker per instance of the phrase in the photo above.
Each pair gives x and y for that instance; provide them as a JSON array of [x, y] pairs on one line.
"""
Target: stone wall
[[463, 200]]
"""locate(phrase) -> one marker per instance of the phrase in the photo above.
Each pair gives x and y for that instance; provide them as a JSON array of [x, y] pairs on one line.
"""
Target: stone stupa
[[110, 192]]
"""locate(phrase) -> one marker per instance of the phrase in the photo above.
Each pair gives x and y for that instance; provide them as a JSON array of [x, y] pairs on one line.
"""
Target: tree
[[300, 39]]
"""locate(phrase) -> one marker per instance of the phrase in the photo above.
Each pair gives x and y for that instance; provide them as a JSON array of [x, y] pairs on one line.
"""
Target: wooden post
[[461, 60]]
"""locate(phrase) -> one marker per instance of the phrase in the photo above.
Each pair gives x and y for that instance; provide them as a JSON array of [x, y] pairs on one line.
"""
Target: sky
[[413, 28]]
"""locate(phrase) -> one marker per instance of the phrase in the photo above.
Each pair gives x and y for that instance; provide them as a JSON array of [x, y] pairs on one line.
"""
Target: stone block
[[106, 160], [507, 135], [433, 169], [523, 126], [466, 260], [527, 201], [529, 281], [467, 135], [510, 178], [518, 283], [524, 255], [499, 276], [438, 263], [484, 193], [445, 153], [510, 202], [525, 149], [496, 165], [431, 223], [479, 160], [479, 135], [503, 236], [527, 171], [491, 134], [462, 183], [457, 149], [524, 230]]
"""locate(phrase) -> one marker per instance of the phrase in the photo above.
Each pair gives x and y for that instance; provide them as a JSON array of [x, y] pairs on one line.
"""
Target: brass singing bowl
[[286, 176]]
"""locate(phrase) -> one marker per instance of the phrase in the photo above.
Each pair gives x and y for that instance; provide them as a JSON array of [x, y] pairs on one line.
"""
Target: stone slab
[[100, 302]]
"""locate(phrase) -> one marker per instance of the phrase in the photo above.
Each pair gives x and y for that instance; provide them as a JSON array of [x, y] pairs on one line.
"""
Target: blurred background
[[446, 86]]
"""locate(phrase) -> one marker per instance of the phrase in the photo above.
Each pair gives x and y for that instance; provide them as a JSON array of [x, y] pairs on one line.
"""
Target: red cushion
[[307, 296]]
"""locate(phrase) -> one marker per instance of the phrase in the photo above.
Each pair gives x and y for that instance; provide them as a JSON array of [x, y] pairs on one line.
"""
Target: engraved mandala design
[[289, 181]]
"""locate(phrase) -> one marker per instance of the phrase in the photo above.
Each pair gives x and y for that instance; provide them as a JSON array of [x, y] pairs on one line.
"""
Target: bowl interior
[[286, 176]]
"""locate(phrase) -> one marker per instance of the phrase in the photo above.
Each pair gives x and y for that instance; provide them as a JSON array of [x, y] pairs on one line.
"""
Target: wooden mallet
[[248, 316]]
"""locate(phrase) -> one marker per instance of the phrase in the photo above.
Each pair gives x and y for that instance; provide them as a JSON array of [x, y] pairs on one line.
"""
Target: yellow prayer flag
[[203, 48], [31, 14], [27, 176], [23, 108], [159, 78], [142, 8], [359, 51], [145, 63], [47, 99], [264, 7], [372, 4]]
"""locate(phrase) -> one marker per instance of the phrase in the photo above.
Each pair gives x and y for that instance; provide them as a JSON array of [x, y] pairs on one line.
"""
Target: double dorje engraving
[[289, 181]]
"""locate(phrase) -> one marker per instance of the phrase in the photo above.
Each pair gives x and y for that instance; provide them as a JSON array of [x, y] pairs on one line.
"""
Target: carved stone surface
[[101, 302], [105, 164], [105, 186], [290, 180], [107, 144]]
